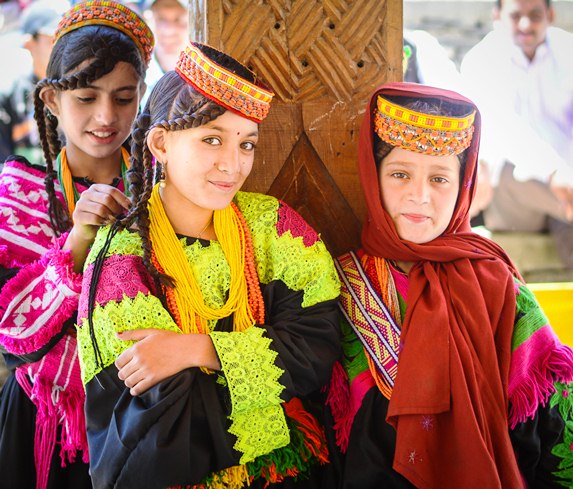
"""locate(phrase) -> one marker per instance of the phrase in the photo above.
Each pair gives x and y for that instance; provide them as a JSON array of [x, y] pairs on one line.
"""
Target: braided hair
[[173, 105], [102, 47]]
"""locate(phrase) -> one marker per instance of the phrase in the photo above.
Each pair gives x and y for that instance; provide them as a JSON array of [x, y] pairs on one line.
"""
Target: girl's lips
[[103, 136], [416, 218], [225, 186]]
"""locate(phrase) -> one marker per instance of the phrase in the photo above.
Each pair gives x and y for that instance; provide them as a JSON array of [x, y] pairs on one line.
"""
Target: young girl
[[452, 376], [48, 221], [208, 317]]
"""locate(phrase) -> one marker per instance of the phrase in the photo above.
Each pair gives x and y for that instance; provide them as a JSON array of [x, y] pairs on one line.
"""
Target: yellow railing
[[556, 299]]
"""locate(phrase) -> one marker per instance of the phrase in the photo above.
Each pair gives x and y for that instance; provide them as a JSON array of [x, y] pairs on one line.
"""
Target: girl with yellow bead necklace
[[208, 317]]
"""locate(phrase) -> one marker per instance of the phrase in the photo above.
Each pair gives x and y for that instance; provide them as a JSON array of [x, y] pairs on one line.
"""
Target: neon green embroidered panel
[[257, 418], [308, 269], [563, 399], [529, 316], [123, 243], [144, 311]]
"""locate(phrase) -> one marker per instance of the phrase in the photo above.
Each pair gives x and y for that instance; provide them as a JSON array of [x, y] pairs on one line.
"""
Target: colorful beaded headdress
[[112, 14], [222, 86], [422, 133]]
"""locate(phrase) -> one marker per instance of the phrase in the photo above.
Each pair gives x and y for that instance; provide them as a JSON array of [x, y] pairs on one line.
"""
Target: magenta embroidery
[[24, 222], [290, 220], [123, 277], [38, 300], [427, 423]]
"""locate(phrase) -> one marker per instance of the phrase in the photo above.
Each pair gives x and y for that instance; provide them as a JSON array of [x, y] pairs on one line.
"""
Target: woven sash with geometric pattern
[[368, 316]]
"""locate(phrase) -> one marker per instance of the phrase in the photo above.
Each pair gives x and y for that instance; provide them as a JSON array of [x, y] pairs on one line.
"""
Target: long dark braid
[[47, 130], [105, 47]]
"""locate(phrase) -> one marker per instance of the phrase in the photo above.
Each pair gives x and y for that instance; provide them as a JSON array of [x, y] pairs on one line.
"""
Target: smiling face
[[528, 21], [419, 192], [207, 165], [97, 120]]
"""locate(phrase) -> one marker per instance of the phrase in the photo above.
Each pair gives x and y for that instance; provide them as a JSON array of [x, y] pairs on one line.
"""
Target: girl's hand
[[159, 354], [97, 205]]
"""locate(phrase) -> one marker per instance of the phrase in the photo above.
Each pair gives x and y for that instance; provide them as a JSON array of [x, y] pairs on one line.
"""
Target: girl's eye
[[85, 100], [248, 146], [399, 174], [440, 180], [212, 141], [125, 101]]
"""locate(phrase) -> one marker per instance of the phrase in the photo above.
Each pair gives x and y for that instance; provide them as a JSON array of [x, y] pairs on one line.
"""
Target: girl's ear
[[50, 98], [156, 140]]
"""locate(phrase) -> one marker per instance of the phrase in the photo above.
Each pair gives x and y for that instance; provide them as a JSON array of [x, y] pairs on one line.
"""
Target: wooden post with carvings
[[323, 58]]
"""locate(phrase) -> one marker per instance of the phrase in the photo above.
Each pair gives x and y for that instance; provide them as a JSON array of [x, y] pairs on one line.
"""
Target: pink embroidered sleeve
[[36, 303]]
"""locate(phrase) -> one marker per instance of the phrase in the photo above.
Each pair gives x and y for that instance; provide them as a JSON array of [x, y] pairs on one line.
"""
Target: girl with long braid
[[208, 317], [48, 221]]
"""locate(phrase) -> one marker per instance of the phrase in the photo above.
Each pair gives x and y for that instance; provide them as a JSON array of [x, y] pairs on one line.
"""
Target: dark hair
[[174, 105], [430, 106], [105, 47]]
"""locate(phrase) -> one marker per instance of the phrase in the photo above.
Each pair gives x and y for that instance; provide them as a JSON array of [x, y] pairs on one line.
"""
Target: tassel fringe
[[338, 400], [538, 386]]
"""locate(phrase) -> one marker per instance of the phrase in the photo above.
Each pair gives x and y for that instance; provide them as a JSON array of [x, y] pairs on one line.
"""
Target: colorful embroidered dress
[[540, 405], [452, 377], [38, 307], [253, 422]]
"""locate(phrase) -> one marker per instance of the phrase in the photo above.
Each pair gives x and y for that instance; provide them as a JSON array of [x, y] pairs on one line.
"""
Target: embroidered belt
[[369, 317]]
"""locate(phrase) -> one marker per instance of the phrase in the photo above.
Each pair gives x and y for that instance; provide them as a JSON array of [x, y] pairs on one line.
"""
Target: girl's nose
[[106, 112], [419, 192], [229, 161]]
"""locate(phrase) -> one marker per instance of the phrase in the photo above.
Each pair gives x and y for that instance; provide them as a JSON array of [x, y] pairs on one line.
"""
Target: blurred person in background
[[521, 77], [18, 132], [169, 21]]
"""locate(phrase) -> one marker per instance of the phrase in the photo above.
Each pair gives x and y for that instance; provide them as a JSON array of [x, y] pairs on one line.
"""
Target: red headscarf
[[450, 401]]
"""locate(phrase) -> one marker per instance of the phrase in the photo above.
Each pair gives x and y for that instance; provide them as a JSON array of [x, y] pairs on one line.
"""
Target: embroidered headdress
[[422, 133], [223, 86], [112, 14]]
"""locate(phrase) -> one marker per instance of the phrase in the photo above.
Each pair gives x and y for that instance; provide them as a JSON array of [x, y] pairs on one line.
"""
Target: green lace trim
[[308, 269], [530, 317], [300, 268], [141, 312], [257, 418], [123, 243], [294, 460], [563, 399]]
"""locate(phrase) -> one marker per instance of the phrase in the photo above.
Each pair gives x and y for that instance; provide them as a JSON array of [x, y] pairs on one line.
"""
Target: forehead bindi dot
[[239, 133]]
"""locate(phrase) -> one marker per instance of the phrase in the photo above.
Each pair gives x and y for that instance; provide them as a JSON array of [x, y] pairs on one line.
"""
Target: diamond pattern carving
[[322, 58]]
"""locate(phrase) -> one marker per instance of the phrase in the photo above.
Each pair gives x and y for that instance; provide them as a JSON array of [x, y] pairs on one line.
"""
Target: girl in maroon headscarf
[[452, 376]]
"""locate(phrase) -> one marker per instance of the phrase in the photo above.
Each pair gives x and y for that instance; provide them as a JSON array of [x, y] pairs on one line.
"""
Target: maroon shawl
[[450, 400]]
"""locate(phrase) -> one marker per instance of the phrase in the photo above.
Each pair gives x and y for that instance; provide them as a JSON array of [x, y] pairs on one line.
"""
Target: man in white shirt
[[521, 77], [169, 21]]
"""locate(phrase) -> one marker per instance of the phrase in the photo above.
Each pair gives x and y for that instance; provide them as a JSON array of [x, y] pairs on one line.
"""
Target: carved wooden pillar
[[323, 58]]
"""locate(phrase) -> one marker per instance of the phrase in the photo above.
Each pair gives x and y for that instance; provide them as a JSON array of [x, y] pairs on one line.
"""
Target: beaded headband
[[423, 133], [223, 87], [112, 14]]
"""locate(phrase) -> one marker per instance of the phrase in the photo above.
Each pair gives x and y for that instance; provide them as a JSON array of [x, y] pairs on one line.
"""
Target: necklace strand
[[205, 228]]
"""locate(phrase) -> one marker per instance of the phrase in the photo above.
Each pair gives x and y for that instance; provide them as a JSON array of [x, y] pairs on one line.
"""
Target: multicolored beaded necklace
[[71, 194]]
